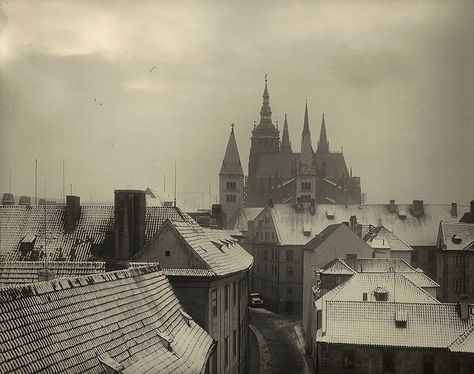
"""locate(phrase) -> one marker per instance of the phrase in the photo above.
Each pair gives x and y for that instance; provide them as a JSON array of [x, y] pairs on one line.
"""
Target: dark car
[[255, 300]]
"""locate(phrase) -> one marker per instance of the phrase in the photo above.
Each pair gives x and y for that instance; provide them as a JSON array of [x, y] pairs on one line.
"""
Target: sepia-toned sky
[[122, 90]]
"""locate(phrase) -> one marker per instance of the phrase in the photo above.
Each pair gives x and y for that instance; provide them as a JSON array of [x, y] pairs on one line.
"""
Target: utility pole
[[175, 183], [36, 181]]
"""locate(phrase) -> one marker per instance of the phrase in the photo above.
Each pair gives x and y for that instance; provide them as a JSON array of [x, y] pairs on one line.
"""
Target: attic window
[[402, 214], [380, 294], [306, 232], [166, 340], [330, 214], [456, 239], [401, 319], [187, 318]]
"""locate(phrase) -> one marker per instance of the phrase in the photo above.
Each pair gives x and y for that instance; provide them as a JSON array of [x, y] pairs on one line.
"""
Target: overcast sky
[[122, 90]]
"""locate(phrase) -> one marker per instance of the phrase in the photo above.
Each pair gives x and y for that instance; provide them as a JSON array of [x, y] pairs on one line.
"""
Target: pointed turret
[[306, 165], [285, 139], [266, 111], [323, 144], [231, 163]]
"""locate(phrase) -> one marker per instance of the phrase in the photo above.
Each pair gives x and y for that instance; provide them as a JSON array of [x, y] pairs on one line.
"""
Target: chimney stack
[[359, 230], [130, 206], [454, 209], [392, 208], [353, 223], [25, 200], [351, 260], [216, 214], [418, 209], [73, 212], [270, 203], [472, 209], [8, 199], [463, 307]]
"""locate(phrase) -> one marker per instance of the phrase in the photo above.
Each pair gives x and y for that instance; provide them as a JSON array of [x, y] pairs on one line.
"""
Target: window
[[381, 295], [289, 255], [231, 198], [306, 198], [265, 268], [226, 297], [234, 292], [214, 303], [338, 280], [349, 358], [265, 254], [364, 296], [289, 291], [231, 185], [305, 186], [289, 271], [459, 284], [388, 362], [273, 235], [234, 343], [267, 236], [428, 364], [226, 351], [167, 253], [458, 260]]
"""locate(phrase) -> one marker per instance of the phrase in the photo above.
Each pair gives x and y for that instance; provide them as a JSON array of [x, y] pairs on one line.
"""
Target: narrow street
[[277, 343]]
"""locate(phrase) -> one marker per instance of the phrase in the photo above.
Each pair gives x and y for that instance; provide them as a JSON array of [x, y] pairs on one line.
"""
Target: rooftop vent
[[454, 209], [187, 318], [392, 208], [417, 208], [25, 200], [330, 214], [166, 340], [456, 239], [381, 294], [402, 213]]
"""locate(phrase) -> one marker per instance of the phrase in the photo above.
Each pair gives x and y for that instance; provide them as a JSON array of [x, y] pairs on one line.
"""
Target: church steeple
[[266, 111], [231, 163], [306, 159], [323, 144], [285, 139]]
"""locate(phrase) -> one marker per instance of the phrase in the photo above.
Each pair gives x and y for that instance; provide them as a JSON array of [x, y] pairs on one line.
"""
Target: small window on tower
[[167, 253]]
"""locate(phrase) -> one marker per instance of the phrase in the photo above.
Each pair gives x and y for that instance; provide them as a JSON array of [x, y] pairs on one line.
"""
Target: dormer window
[[401, 319], [456, 239], [380, 294]]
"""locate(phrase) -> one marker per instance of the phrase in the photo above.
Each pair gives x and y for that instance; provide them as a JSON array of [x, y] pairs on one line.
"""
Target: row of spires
[[285, 147]]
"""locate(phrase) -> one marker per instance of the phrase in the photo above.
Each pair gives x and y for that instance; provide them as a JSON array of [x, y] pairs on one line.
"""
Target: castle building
[[278, 174]]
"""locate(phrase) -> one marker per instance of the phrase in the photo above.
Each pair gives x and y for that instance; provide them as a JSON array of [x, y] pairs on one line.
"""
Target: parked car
[[255, 300]]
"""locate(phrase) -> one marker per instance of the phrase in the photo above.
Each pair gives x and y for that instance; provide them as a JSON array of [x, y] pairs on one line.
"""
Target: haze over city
[[123, 90]]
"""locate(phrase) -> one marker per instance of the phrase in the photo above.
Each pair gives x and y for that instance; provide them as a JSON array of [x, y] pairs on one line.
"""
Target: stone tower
[[306, 173], [231, 181]]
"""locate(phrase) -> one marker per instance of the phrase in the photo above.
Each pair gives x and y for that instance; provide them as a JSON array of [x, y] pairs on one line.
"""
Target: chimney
[[417, 208], [359, 230], [129, 223], [270, 203], [351, 260], [73, 212], [216, 214], [392, 208], [463, 307], [454, 209], [8, 199], [353, 223], [25, 200]]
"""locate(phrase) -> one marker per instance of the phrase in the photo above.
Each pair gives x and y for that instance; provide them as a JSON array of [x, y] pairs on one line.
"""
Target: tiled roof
[[95, 226], [457, 236], [21, 272], [125, 318], [380, 265], [413, 230], [429, 325], [376, 236], [322, 236], [222, 253], [398, 287]]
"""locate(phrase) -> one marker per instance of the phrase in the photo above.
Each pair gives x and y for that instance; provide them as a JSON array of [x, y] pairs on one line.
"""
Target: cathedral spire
[[285, 139], [306, 120], [231, 163], [323, 144], [266, 111], [306, 159]]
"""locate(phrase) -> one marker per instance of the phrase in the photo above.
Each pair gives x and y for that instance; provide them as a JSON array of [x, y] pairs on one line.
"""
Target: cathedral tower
[[306, 173], [323, 144], [285, 146], [231, 181], [265, 136]]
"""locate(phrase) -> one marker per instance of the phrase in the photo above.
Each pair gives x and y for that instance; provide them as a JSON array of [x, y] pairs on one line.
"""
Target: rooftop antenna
[[175, 183], [164, 182], [10, 179], [71, 188], [36, 181], [209, 196], [64, 188]]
